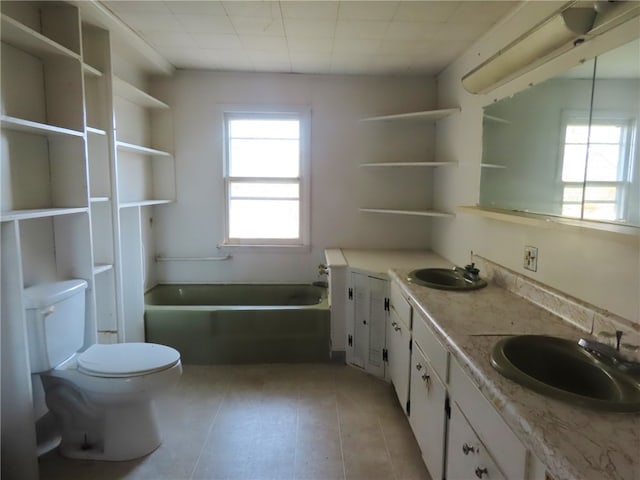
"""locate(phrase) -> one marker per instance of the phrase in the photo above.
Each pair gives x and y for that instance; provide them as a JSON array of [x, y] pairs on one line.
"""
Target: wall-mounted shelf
[[409, 164], [491, 165], [96, 131], [131, 147], [99, 268], [99, 199], [27, 126], [494, 119], [415, 213], [27, 214], [134, 94], [91, 71], [424, 116], [32, 42], [145, 203]]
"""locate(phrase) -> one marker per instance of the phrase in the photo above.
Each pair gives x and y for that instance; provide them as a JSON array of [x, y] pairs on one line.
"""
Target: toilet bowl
[[102, 398]]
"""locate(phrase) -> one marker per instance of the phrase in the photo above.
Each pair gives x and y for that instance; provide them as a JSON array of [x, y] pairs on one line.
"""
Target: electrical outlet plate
[[531, 258]]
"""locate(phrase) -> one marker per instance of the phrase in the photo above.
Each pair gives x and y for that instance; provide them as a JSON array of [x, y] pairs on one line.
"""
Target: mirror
[[569, 146]]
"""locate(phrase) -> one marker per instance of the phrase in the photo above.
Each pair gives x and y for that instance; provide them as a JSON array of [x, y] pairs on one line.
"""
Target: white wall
[[193, 226], [600, 268]]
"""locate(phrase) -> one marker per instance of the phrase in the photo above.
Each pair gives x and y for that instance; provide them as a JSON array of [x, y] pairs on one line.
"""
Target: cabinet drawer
[[502, 444], [431, 346], [467, 455], [399, 303]]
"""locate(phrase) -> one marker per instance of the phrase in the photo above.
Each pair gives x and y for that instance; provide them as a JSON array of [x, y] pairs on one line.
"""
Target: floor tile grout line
[[386, 447], [344, 468], [204, 443]]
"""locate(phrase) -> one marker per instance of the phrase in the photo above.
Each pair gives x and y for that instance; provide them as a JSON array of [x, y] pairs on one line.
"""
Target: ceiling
[[336, 37]]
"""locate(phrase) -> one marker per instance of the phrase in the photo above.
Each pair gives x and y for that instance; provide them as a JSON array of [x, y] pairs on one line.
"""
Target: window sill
[[234, 247]]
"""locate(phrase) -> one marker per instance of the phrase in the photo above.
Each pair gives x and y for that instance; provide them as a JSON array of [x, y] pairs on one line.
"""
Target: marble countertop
[[380, 261], [573, 442]]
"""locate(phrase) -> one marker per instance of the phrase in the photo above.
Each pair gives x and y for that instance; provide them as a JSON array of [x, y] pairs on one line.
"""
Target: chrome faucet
[[609, 354], [469, 272]]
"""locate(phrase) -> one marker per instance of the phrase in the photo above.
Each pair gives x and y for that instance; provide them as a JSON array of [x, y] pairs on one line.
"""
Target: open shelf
[[409, 164], [134, 94], [132, 147], [96, 131], [91, 71], [10, 215], [27, 126], [424, 116], [101, 268], [28, 40], [494, 119], [144, 203], [416, 213], [492, 165], [99, 199]]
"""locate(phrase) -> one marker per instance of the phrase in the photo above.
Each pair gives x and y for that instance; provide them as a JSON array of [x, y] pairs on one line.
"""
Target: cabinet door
[[398, 344], [467, 456], [427, 412], [366, 322]]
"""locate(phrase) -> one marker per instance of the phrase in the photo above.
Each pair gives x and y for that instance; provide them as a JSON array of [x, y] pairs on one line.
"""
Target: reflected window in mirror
[[569, 146]]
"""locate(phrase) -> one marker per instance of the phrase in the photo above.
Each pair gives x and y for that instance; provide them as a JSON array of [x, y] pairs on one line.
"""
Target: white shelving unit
[[74, 198], [427, 116]]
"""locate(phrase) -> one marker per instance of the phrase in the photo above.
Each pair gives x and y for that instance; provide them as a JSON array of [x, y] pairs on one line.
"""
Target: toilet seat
[[126, 359]]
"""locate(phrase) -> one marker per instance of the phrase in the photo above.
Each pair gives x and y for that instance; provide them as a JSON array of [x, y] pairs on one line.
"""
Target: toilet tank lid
[[46, 294]]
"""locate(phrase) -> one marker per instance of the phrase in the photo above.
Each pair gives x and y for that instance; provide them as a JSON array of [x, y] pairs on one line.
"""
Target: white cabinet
[[399, 344], [467, 455], [428, 397], [367, 309]]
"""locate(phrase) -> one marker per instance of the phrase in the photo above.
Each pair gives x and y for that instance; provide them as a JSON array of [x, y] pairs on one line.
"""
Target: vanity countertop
[[573, 442]]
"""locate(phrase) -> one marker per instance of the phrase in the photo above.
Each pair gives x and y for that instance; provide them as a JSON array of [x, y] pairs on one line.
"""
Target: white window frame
[[624, 175], [303, 114]]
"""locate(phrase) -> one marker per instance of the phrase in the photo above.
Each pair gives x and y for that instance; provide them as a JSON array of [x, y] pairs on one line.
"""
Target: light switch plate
[[531, 258]]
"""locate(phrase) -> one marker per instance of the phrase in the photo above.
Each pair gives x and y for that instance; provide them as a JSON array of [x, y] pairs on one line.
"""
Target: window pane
[[264, 158], [571, 210], [277, 219], [288, 129], [605, 134], [576, 134], [603, 163], [572, 194], [601, 194], [600, 211], [264, 190], [573, 163]]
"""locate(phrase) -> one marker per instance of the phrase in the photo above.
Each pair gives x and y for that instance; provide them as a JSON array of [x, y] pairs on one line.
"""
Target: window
[[266, 178], [596, 171]]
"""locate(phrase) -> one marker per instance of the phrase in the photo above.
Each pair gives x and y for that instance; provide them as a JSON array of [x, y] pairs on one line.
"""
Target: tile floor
[[280, 421]]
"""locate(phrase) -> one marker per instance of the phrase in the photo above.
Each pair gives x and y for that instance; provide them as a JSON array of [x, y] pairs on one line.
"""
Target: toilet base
[[99, 429], [124, 432]]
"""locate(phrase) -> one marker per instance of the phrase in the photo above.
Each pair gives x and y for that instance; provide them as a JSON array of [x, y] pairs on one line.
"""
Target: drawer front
[[502, 444], [431, 346], [399, 303], [467, 457]]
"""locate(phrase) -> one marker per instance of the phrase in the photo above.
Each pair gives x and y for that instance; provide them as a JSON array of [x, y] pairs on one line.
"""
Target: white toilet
[[103, 397]]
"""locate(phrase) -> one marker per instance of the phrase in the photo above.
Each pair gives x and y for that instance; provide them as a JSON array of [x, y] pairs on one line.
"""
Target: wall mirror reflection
[[569, 146]]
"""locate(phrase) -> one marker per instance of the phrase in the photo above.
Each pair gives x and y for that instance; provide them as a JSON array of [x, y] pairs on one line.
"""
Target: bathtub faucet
[[323, 269]]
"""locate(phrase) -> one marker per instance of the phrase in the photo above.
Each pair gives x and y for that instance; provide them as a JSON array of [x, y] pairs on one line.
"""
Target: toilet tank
[[55, 322]]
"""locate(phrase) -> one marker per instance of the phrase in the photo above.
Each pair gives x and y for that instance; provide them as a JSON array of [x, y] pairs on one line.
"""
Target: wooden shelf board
[[30, 41], [10, 215], [28, 126], [548, 221], [417, 213], [144, 203], [409, 164], [125, 90], [96, 131], [494, 119], [99, 268], [91, 70], [492, 165], [131, 147], [427, 115]]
